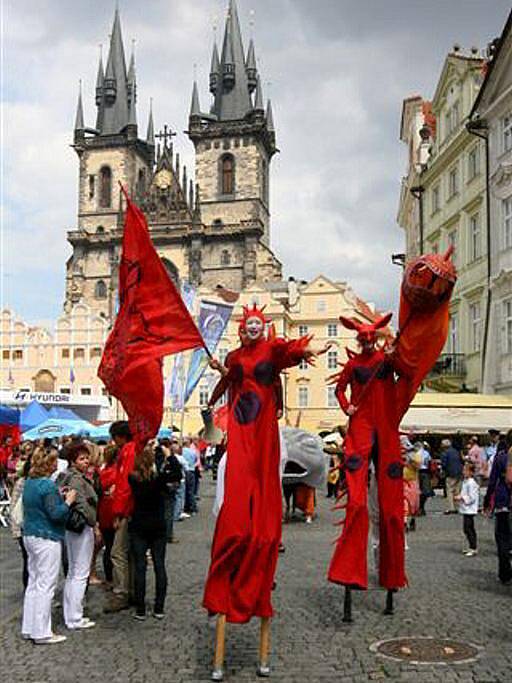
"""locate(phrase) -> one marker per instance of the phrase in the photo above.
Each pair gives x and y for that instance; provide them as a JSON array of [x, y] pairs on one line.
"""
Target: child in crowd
[[468, 507]]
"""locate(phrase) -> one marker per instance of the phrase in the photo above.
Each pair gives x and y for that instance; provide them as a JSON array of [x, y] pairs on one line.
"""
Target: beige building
[[449, 184], [492, 118], [214, 231]]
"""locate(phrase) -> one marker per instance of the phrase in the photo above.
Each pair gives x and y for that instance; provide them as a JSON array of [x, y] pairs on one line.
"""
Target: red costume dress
[[372, 433], [248, 531]]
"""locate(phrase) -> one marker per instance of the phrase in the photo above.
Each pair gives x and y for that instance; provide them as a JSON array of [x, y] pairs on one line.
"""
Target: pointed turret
[[115, 85], [250, 66], [232, 97], [79, 118], [258, 99], [270, 118], [214, 70], [132, 83], [195, 107], [150, 135]]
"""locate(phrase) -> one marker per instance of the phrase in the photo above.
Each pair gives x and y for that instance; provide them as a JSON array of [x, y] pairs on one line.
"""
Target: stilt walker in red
[[248, 531], [383, 382]]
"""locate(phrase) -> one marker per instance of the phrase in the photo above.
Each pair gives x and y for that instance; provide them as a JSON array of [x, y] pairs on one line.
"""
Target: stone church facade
[[215, 231]]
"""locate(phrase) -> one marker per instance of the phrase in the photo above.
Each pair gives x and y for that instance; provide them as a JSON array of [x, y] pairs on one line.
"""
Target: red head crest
[[366, 332], [252, 312]]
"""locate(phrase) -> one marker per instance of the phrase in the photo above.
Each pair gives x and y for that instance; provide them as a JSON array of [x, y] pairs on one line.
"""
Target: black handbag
[[75, 521]]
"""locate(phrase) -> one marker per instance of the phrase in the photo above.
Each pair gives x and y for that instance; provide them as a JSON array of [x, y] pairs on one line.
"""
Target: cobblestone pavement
[[449, 596]]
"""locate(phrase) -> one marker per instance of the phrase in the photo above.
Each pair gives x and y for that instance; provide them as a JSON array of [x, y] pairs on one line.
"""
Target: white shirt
[[468, 503]]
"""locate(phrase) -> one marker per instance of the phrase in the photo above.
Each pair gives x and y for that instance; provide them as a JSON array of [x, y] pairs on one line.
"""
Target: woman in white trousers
[[79, 545], [44, 519]]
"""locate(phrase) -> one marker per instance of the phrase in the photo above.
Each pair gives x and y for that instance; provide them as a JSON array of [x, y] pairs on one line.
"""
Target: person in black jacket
[[147, 527]]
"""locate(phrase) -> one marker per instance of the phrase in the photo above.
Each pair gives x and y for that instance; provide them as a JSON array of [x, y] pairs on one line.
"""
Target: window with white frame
[[332, 330], [64, 390], [475, 237], [436, 199], [332, 360], [303, 365], [332, 401], [303, 397], [321, 306], [453, 339], [506, 205], [475, 322], [453, 182], [507, 326], [474, 162], [506, 132], [452, 242], [86, 391], [303, 330], [204, 394]]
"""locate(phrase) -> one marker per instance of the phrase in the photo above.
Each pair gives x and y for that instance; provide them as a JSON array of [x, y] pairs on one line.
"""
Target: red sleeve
[[289, 353], [341, 386], [123, 501]]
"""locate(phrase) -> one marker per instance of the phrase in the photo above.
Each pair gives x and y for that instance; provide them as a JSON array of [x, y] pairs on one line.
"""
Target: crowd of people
[[70, 500], [74, 500]]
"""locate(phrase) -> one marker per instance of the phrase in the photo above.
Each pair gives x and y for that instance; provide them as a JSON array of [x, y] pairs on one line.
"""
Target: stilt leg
[[347, 606], [389, 602], [263, 669], [220, 638]]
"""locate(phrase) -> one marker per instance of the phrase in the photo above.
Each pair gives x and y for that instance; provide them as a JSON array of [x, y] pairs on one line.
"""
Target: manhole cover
[[426, 650]]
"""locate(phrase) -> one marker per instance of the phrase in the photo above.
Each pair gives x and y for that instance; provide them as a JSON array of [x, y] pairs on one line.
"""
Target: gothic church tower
[[108, 153], [234, 143]]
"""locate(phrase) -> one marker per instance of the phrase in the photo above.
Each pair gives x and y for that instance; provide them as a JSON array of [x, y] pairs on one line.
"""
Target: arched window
[[227, 174], [105, 187], [100, 230], [172, 271], [217, 223], [100, 290], [225, 257]]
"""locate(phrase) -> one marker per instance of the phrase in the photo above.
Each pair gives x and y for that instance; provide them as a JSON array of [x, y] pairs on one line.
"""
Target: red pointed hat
[[366, 329]]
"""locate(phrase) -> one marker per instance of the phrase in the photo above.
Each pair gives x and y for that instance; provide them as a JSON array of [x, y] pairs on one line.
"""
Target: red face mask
[[366, 332]]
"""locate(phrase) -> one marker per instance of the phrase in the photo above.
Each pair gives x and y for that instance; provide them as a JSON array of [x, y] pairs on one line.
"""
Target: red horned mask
[[251, 313], [366, 332]]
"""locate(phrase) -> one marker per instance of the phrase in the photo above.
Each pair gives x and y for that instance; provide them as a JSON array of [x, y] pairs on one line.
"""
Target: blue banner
[[212, 321], [176, 383]]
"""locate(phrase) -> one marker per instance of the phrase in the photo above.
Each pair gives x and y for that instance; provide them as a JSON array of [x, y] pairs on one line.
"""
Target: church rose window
[[105, 187], [228, 174]]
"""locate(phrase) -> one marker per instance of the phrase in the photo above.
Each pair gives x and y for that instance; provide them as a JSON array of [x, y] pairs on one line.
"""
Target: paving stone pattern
[[449, 596]]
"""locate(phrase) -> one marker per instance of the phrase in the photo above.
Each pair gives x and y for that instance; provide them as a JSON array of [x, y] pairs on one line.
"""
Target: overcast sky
[[336, 70]]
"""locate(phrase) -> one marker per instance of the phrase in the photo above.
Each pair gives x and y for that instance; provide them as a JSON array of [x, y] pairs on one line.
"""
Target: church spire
[[116, 114], [214, 70], [250, 66], [150, 135], [258, 100], [232, 97], [79, 118], [195, 107], [270, 118]]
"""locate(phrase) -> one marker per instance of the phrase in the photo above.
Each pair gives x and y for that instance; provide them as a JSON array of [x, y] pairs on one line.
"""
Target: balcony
[[449, 365]]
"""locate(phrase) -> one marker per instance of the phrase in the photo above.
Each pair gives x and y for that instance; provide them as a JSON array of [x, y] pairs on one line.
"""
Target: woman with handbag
[[79, 535], [44, 519]]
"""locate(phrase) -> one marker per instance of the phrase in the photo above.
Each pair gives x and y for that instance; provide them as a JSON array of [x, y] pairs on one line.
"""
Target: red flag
[[152, 322]]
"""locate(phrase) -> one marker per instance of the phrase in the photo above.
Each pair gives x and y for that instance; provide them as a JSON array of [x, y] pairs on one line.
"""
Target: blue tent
[[32, 415], [9, 417], [52, 428], [102, 433], [58, 413]]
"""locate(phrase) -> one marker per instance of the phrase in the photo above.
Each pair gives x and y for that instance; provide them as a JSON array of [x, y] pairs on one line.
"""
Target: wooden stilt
[[389, 603], [263, 669], [347, 606], [220, 640]]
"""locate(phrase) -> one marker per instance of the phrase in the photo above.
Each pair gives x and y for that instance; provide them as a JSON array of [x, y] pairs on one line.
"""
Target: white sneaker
[[309, 520], [54, 638], [184, 515], [471, 553], [85, 623]]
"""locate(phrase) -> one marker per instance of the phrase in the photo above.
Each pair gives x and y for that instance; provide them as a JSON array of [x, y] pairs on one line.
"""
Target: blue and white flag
[[176, 383], [212, 321]]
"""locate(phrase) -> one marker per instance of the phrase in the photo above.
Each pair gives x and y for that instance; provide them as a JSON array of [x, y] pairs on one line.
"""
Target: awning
[[451, 413]]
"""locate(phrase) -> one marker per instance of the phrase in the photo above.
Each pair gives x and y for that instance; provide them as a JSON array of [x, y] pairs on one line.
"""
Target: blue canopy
[[102, 432], [32, 415], [9, 417], [59, 413], [52, 428]]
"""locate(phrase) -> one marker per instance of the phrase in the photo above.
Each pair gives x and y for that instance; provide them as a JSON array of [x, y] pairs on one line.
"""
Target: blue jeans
[[179, 501], [139, 544], [170, 504]]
